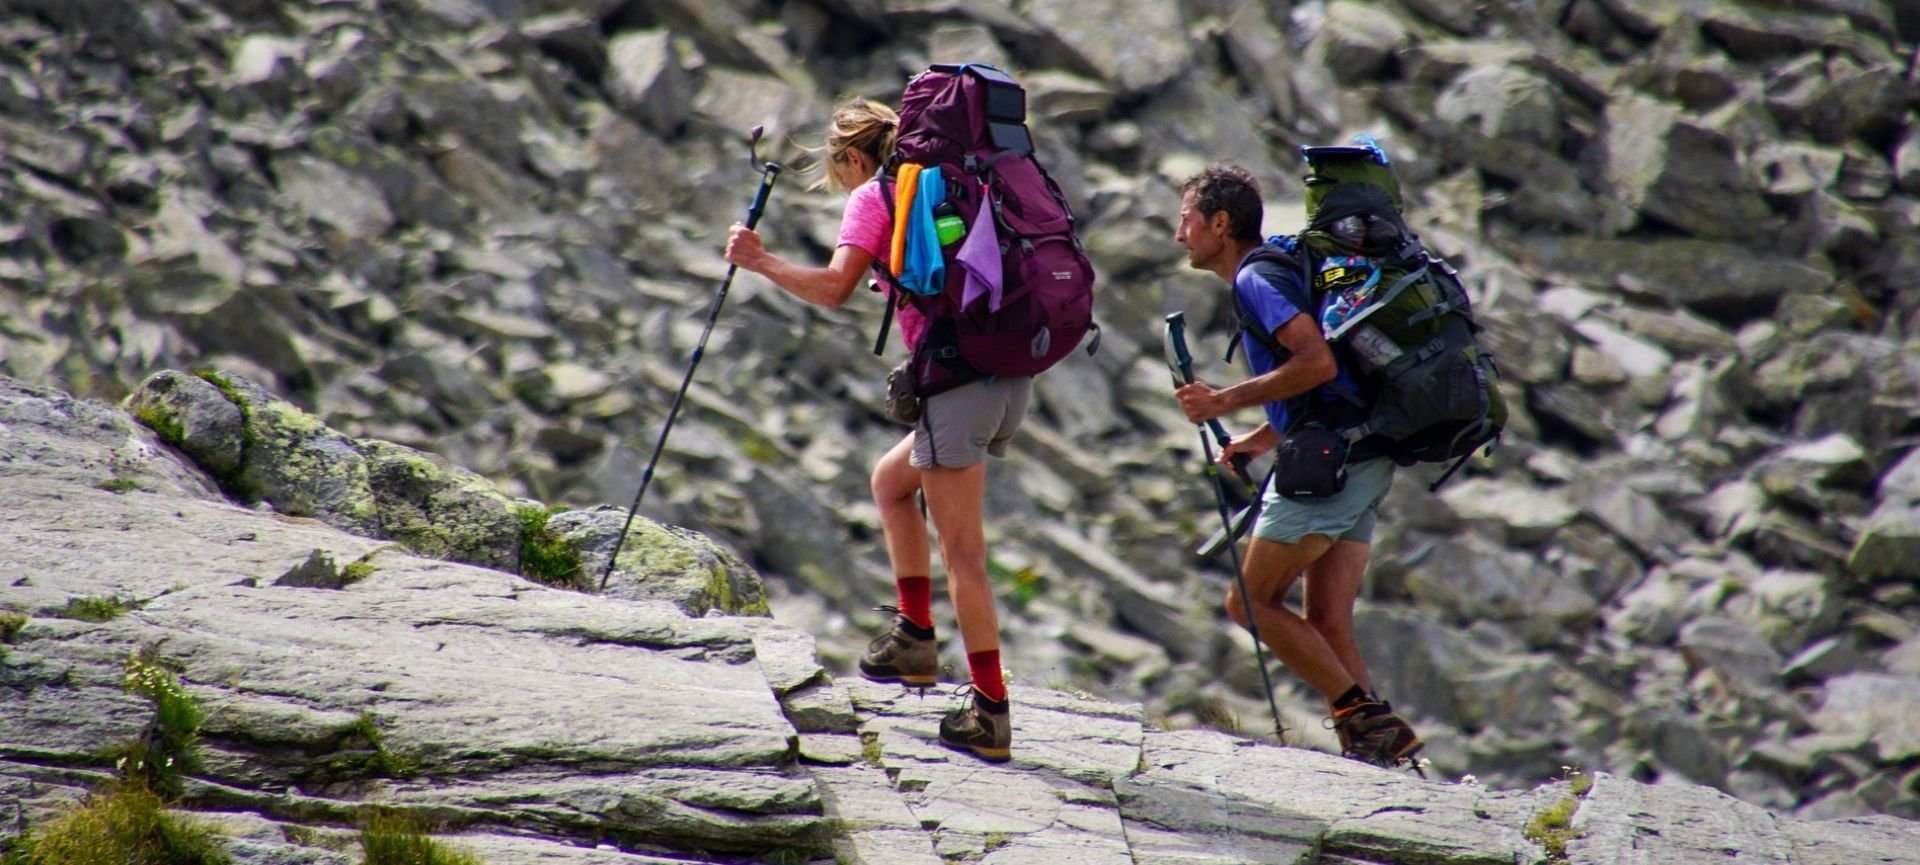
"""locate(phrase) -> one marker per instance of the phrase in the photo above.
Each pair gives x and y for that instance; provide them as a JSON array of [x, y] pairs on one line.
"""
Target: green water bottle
[[947, 224]]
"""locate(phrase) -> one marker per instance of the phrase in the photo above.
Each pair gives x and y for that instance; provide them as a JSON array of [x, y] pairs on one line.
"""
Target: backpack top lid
[[1361, 162], [953, 109]]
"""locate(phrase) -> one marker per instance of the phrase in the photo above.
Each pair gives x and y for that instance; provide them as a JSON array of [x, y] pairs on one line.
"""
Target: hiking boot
[[1371, 733], [982, 726], [899, 656]]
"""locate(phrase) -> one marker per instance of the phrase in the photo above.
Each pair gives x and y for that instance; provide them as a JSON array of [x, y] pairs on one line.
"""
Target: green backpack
[[1399, 311]]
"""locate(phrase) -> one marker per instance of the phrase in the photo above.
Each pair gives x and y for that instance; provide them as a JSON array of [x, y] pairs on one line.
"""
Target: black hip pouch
[[1311, 463], [903, 402]]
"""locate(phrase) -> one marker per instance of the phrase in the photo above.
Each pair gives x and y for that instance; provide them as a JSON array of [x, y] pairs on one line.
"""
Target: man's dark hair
[[1232, 189]]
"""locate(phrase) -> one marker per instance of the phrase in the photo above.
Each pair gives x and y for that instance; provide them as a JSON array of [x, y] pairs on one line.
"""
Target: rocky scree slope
[[487, 229]]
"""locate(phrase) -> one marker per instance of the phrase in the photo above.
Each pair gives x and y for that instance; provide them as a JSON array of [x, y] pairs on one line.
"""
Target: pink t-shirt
[[867, 225]]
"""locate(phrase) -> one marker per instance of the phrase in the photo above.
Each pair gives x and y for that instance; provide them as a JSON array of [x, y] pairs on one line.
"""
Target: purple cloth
[[979, 256]]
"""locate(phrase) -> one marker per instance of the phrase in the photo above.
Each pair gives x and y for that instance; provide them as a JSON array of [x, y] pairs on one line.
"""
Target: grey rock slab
[[1889, 545], [786, 656], [716, 809], [189, 413], [1088, 740], [343, 201], [1524, 512], [1876, 840], [887, 847], [1885, 708], [820, 708], [1733, 649], [1155, 609], [645, 79], [688, 569], [1136, 47], [1340, 806], [1623, 821], [1679, 172], [47, 435], [1746, 285]]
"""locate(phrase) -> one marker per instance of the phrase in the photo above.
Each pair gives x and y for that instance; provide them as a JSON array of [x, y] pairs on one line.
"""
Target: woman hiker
[[944, 456]]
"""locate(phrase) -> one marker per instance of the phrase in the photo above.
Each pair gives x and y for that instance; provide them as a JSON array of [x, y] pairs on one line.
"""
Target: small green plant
[[544, 556], [395, 839], [995, 841], [10, 624], [170, 745], [1026, 584], [93, 609], [118, 485], [1552, 827], [375, 759], [360, 568], [120, 475], [121, 822], [759, 449], [870, 748]]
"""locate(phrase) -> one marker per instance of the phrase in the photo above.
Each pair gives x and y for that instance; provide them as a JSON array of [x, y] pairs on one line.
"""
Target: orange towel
[[904, 185]]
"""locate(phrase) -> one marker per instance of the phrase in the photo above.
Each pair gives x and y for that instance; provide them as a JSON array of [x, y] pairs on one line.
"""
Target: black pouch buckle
[[1311, 463]]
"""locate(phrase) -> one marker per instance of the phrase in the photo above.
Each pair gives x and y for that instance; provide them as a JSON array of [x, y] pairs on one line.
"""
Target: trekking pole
[[769, 172], [1180, 363]]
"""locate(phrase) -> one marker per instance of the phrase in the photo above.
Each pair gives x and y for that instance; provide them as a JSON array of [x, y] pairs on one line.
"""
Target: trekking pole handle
[[1180, 360], [768, 173]]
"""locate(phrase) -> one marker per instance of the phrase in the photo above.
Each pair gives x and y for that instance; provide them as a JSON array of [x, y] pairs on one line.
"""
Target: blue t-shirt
[[1272, 294]]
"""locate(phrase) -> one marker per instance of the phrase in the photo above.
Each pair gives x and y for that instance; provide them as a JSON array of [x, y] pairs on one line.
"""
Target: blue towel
[[925, 270]]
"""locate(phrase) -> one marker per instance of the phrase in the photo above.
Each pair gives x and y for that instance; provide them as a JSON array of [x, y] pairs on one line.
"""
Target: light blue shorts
[[1345, 516]]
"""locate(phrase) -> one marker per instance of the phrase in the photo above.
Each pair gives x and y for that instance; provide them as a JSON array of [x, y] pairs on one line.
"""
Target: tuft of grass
[[1552, 827], [121, 822], [10, 624], [544, 556], [118, 485], [170, 745], [360, 568], [395, 839], [870, 749], [376, 760], [1214, 714], [91, 609]]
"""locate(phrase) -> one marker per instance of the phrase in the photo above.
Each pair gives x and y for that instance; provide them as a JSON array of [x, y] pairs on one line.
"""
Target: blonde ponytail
[[861, 125]]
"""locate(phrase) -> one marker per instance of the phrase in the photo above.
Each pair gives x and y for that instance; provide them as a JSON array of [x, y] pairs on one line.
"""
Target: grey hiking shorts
[[962, 426], [1347, 515]]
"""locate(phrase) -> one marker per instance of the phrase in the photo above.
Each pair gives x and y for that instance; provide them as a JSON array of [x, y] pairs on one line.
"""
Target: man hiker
[[1302, 384], [944, 457]]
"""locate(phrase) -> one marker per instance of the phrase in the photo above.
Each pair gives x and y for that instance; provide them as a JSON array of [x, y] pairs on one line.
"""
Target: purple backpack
[[971, 122]]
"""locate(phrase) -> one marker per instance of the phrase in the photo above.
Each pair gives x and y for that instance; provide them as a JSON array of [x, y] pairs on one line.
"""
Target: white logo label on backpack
[[1063, 275]]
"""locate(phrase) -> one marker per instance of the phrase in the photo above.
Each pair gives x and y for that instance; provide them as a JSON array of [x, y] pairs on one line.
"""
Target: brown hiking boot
[[897, 656], [1370, 732], [982, 726]]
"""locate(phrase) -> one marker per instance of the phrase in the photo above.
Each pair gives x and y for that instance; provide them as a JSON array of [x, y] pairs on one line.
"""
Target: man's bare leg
[[1333, 583], [1270, 570]]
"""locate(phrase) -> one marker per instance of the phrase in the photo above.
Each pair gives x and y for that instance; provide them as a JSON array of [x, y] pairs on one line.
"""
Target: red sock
[[916, 599], [985, 667]]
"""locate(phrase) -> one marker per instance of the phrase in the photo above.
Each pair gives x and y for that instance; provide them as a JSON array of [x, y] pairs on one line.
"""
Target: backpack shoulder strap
[[1268, 257]]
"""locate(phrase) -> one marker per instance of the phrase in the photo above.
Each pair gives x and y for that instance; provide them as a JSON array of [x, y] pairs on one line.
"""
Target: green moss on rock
[[545, 556]]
